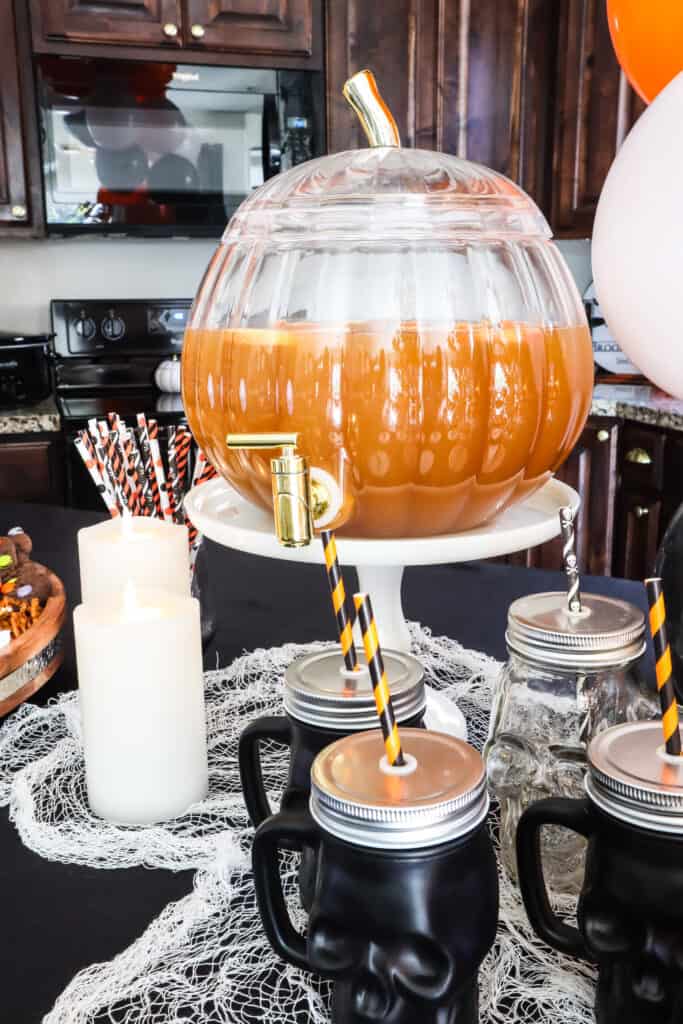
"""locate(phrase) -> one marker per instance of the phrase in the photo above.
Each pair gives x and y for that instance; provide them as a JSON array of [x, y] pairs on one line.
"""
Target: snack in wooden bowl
[[32, 613]]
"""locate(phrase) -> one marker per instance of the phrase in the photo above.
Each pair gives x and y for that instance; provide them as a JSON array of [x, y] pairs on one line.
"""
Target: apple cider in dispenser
[[406, 314]]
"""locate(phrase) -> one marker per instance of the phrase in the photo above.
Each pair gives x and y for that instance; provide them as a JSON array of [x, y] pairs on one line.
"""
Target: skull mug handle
[[271, 727], [572, 814], [280, 831]]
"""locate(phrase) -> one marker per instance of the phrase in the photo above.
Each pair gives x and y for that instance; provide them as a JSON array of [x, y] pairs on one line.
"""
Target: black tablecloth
[[55, 918]]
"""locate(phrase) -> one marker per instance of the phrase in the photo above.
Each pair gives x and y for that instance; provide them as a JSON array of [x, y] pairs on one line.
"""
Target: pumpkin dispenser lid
[[386, 191]]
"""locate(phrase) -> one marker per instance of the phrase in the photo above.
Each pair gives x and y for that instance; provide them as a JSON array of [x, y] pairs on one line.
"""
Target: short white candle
[[139, 660], [148, 552]]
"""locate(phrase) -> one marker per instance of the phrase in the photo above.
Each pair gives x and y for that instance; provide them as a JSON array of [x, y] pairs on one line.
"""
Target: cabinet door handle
[[640, 511], [639, 456], [18, 211], [603, 435], [170, 30], [197, 31]]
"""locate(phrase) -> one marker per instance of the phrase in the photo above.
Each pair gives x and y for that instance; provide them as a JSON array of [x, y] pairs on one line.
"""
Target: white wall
[[33, 272]]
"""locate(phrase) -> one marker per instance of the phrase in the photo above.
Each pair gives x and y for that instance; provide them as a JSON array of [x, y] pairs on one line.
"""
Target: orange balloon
[[648, 38]]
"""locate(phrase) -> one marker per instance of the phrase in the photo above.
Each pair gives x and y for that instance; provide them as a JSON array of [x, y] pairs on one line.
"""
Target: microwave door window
[[69, 166], [225, 128], [169, 148]]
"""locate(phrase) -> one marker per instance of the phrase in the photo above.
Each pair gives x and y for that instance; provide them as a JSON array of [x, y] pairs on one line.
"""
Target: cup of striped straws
[[138, 472], [135, 477]]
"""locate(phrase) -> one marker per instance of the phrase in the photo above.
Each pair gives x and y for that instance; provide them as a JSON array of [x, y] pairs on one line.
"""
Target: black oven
[[106, 352], [167, 149]]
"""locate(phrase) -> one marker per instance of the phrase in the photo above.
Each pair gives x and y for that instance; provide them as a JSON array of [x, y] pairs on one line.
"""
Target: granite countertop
[[641, 403], [31, 419]]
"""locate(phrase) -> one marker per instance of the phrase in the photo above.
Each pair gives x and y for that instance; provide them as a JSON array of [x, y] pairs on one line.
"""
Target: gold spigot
[[292, 496], [377, 120]]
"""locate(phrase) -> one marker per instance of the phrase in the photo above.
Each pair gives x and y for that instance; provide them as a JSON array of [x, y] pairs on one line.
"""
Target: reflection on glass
[[444, 425], [162, 144]]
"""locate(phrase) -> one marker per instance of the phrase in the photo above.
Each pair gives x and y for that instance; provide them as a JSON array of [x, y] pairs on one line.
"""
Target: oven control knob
[[113, 327], [85, 327]]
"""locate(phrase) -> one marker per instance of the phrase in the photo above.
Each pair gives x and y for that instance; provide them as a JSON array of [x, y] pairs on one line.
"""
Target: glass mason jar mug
[[405, 903], [568, 677]]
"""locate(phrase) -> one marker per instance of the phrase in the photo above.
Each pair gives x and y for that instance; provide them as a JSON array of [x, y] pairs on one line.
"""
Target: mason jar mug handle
[[270, 727], [572, 814], [280, 831]]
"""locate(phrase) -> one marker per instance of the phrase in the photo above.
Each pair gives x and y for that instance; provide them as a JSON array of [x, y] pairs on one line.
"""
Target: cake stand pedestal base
[[383, 584], [226, 517]]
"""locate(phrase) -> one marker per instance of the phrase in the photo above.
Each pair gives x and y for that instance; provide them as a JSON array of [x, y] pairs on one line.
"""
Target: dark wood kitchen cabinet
[[529, 87], [630, 479], [591, 470], [135, 22], [595, 110], [258, 26], [19, 168], [397, 48], [32, 468], [650, 492], [640, 530], [192, 29]]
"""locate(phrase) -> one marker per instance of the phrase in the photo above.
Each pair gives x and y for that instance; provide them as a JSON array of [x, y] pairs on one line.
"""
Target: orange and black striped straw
[[380, 684], [665, 686], [183, 447], [131, 470], [122, 485], [339, 603], [159, 472]]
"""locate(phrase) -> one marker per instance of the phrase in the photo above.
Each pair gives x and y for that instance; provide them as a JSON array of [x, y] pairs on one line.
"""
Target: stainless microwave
[[145, 148]]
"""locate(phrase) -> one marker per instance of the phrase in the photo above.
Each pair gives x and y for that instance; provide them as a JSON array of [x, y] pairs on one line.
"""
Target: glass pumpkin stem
[[378, 122]]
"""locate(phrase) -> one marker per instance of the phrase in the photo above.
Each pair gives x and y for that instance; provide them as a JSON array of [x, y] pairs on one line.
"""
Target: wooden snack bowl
[[34, 657]]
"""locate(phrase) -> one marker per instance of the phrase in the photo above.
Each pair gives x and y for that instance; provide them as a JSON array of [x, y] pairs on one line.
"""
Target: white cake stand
[[226, 517]]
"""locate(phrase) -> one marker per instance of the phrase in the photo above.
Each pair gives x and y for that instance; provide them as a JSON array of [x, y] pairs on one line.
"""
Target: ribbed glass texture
[[406, 312]]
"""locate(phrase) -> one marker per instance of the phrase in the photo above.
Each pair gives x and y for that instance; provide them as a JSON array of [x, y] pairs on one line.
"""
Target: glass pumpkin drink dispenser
[[406, 314]]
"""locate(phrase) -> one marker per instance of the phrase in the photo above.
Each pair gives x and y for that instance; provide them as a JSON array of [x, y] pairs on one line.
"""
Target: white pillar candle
[[145, 551], [139, 659]]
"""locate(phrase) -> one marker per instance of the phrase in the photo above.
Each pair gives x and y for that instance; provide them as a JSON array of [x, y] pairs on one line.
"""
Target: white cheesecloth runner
[[205, 959]]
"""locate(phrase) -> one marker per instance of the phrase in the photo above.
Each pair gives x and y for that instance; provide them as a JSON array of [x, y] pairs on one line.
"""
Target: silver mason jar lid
[[320, 692], [630, 777], [439, 796], [607, 632]]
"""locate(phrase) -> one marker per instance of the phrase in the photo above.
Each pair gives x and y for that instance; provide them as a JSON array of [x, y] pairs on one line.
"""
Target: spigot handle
[[291, 485], [262, 441]]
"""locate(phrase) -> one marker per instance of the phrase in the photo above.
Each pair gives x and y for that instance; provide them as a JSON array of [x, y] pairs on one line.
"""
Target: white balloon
[[159, 130], [638, 242], [112, 127]]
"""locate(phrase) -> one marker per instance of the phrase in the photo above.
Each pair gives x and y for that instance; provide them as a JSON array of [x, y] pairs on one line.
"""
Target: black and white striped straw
[[569, 559]]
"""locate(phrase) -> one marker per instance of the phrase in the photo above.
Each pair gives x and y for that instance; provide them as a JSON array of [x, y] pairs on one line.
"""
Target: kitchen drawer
[[673, 468], [640, 520], [642, 457], [591, 469], [31, 470]]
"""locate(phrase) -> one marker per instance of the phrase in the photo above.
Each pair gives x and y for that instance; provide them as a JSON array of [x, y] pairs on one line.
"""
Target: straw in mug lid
[[632, 778], [441, 797], [665, 686]]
